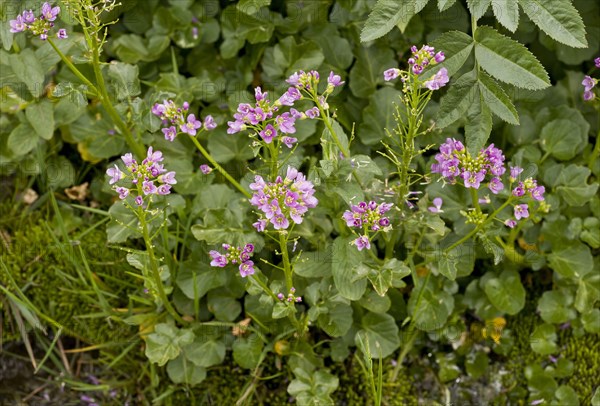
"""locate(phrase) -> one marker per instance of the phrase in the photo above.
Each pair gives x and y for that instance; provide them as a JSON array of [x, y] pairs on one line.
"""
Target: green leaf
[[181, 370], [381, 333], [252, 7], [444, 5], [591, 321], [41, 117], [247, 351], [543, 339], [507, 13], [563, 139], [367, 72], [457, 101], [457, 47], [508, 60], [224, 307], [22, 139], [337, 320], [205, 353], [165, 343], [479, 125], [506, 292], [433, 310], [571, 261], [555, 306], [196, 279], [386, 15], [226, 147], [572, 185], [345, 262], [379, 115], [588, 292], [124, 82], [28, 69], [477, 364], [459, 258], [374, 302], [557, 18], [314, 388], [478, 7], [331, 149], [496, 99], [565, 395], [288, 57]]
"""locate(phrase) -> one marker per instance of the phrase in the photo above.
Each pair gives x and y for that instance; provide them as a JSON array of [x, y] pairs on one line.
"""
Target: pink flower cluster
[[38, 25], [143, 178], [235, 255], [454, 161], [283, 201], [175, 118], [291, 297], [588, 84], [265, 118], [368, 217], [420, 59]]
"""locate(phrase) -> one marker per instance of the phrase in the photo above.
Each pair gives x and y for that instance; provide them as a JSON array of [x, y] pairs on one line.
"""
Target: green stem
[[407, 347], [155, 272], [325, 119], [219, 168], [475, 199], [480, 226], [413, 330], [286, 261], [73, 68], [107, 103]]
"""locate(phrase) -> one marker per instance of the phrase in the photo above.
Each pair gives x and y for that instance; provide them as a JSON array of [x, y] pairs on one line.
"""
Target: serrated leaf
[[457, 47], [386, 15], [557, 18], [379, 115], [479, 125], [507, 13], [478, 7], [457, 101], [496, 99], [508, 60], [444, 5]]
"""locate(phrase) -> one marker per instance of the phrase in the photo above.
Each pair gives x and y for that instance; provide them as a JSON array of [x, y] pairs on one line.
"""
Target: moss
[[584, 351], [53, 278]]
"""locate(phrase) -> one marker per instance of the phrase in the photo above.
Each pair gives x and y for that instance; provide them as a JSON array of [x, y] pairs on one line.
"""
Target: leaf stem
[[154, 267], [72, 67], [480, 226], [219, 168]]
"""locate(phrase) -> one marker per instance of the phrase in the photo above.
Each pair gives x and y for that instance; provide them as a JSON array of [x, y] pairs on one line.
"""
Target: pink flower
[[362, 242], [391, 74], [510, 223], [247, 268], [268, 133], [521, 211], [437, 205]]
